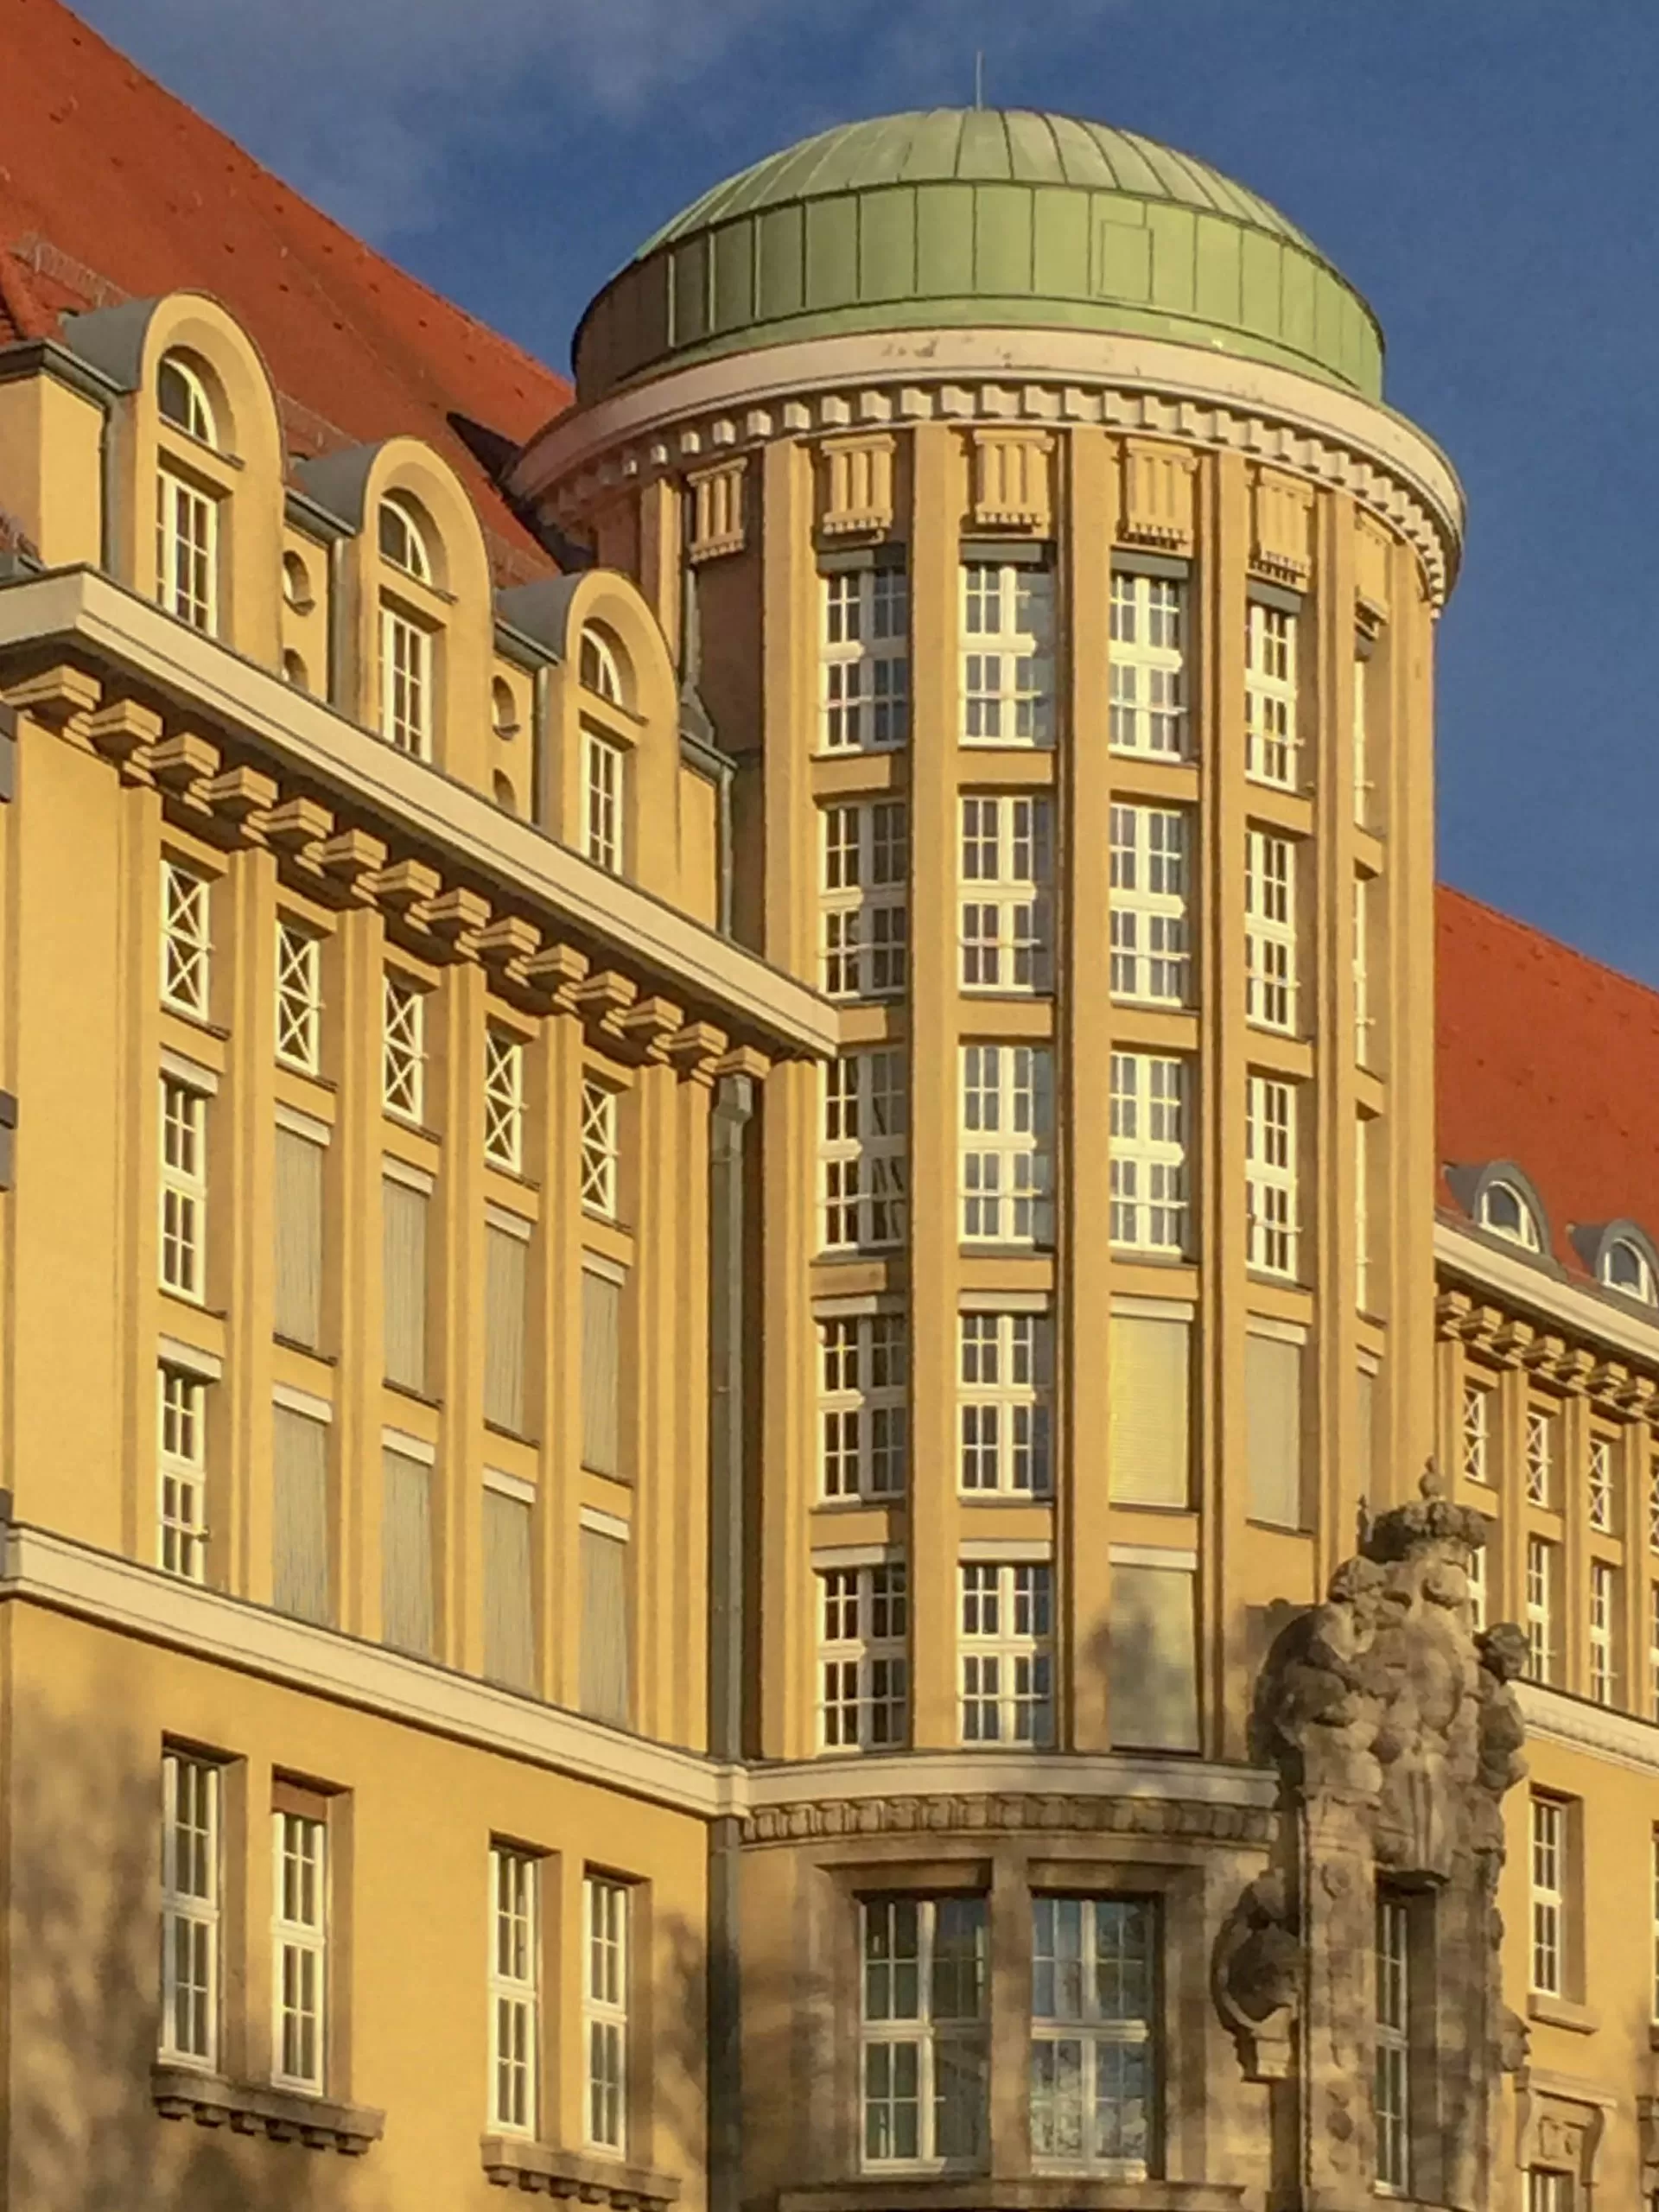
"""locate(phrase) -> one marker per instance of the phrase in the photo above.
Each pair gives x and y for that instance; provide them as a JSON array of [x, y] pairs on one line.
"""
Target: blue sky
[[1483, 169]]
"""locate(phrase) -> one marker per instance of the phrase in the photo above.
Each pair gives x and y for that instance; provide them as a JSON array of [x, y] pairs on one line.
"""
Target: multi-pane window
[[1603, 1630], [181, 1474], [1150, 882], [605, 2012], [514, 1990], [1007, 654], [1007, 911], [187, 551], [186, 945], [190, 1909], [923, 2031], [602, 1149], [863, 1670], [1541, 1609], [862, 1153], [1478, 1555], [403, 1049], [406, 683], [1540, 1456], [504, 1100], [1148, 666], [1007, 1653], [1362, 971], [1476, 1432], [300, 1946], [1362, 758], [299, 998], [865, 660], [863, 1413], [1093, 2047], [1549, 1969], [604, 766], [1548, 2190], [1270, 1174], [864, 900], [1600, 1499], [1148, 1153], [1393, 2043], [1270, 930], [1007, 1115], [183, 1188], [1271, 696], [1005, 1392]]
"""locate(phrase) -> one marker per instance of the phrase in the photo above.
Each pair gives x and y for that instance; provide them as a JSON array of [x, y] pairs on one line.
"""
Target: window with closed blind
[[601, 1373], [604, 1674], [299, 1514], [509, 1610], [1148, 1372], [404, 1216], [506, 1285], [406, 1609], [297, 1311], [1273, 1402], [1152, 1668]]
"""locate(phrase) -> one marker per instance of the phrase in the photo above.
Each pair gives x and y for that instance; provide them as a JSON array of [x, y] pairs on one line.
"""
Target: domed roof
[[977, 218]]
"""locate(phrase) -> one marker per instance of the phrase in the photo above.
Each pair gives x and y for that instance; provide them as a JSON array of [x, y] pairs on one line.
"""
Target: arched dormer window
[[182, 398], [402, 540], [1508, 1212], [187, 509], [1625, 1266], [599, 667]]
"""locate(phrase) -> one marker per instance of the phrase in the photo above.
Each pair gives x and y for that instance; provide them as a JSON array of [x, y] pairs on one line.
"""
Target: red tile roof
[[1548, 1058], [111, 188]]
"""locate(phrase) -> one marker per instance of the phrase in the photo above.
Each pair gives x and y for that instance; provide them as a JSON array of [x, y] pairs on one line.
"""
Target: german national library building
[[811, 1400]]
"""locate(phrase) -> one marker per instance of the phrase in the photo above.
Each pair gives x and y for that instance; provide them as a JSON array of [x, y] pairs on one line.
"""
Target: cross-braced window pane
[[1548, 1895], [299, 998], [1603, 1632], [503, 1101], [514, 1990], [1271, 696], [1148, 1153], [864, 661], [1006, 909], [1007, 1653], [1007, 654], [300, 1935], [602, 1149], [1270, 930], [924, 2036], [1476, 1432], [863, 1669], [1541, 1609], [403, 1049], [864, 899], [1005, 1394], [186, 945], [1393, 2044], [605, 2012], [862, 1153], [1601, 1483], [190, 1910], [604, 771], [1007, 1119], [181, 1474], [187, 551], [184, 1189], [1094, 2049], [1150, 883], [862, 1409], [1541, 1456], [405, 683], [1270, 1175], [1148, 666]]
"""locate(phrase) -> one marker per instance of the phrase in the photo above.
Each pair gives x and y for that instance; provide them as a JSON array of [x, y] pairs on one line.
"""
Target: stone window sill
[[514, 2161], [254, 2108], [1562, 2012], [1019, 2193]]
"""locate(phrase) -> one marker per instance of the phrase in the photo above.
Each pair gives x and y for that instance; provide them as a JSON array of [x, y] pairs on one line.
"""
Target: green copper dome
[[978, 218]]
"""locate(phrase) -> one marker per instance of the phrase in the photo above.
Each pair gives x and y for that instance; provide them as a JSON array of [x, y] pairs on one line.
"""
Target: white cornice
[[1575, 1725], [1010, 1774], [1514, 1280]]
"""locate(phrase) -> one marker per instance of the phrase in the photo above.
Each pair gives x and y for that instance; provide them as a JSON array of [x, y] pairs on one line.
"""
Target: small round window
[[1506, 1213]]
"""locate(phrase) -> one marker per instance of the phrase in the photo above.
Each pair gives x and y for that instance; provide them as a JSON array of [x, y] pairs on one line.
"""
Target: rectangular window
[[1094, 1975], [1653, 1505], [1007, 911], [403, 1050], [187, 944], [1362, 759], [1006, 1653], [1006, 1388], [1364, 1144], [183, 1188], [1151, 957], [1007, 1122], [1603, 1632], [1601, 1485], [190, 1910], [405, 683], [1549, 2192], [300, 1950], [605, 2012], [514, 1990], [863, 1418], [864, 703], [181, 1474], [1149, 665], [1148, 1372], [187, 551], [1148, 1153], [1478, 1558], [299, 999], [1393, 2044], [603, 767], [404, 1230], [863, 901], [863, 1670], [1271, 696], [509, 1604], [1270, 1175], [1476, 1432], [1653, 1651], [602, 1149], [605, 1671], [1549, 1896], [1151, 1684], [923, 2031], [1273, 1442], [297, 1297], [1540, 1456], [1270, 930], [299, 1515], [1362, 972], [406, 1609], [601, 1373], [506, 1292], [503, 1101], [1541, 1609], [1007, 654], [862, 1153]]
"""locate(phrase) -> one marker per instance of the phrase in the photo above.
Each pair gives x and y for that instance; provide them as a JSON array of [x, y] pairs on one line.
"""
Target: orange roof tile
[[111, 187]]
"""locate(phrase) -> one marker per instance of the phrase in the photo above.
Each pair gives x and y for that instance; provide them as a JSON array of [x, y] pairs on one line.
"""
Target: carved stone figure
[[1257, 1974]]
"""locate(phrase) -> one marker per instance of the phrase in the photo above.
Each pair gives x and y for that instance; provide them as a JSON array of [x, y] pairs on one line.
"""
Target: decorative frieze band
[[1010, 1814], [1503, 1339]]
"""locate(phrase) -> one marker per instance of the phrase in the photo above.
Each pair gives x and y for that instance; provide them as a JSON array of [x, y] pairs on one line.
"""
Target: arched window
[[599, 667], [402, 542], [1506, 1212], [1625, 1267], [182, 397]]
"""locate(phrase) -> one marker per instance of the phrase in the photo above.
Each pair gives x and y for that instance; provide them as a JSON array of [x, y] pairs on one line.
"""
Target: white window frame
[[864, 897], [1523, 1230], [1076, 2033], [1362, 1022], [1271, 745], [1601, 1481], [197, 420], [1270, 863], [1007, 850], [1603, 1632], [864, 660], [299, 998], [604, 801], [1007, 654], [405, 682], [599, 670], [1147, 666], [1151, 879], [1539, 1601], [299, 1980], [1005, 1654], [187, 551], [863, 1405], [1270, 1166], [514, 1984], [863, 1657], [403, 543], [1476, 1578], [606, 1912], [192, 1899], [1476, 1432], [920, 2051], [1393, 2092], [1549, 1843], [1361, 763], [1540, 1455], [504, 1099], [1147, 1139], [1005, 1392], [1007, 1125], [863, 1148], [187, 941], [182, 1257], [601, 1149], [180, 1473], [1643, 1287], [402, 1048]]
